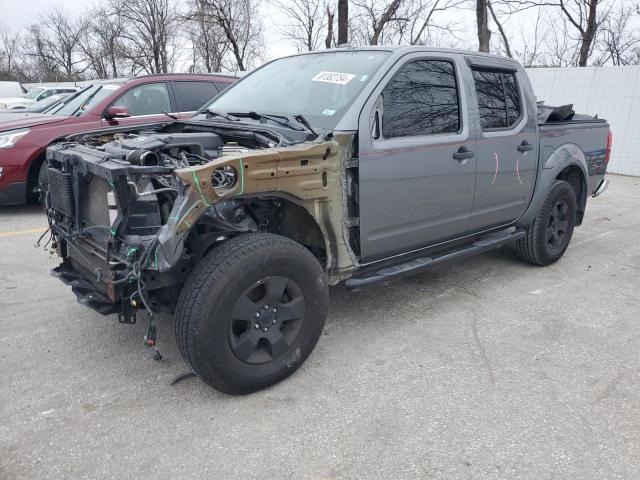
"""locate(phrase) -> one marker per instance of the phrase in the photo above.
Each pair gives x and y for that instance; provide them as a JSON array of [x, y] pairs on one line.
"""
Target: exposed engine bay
[[174, 151], [132, 212]]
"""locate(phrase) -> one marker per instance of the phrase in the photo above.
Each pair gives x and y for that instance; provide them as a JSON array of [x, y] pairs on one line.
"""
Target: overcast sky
[[16, 16]]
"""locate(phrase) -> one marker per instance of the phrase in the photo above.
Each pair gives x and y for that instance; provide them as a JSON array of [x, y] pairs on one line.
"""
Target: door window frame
[[521, 106], [365, 123], [396, 74], [172, 103], [488, 64], [178, 104]]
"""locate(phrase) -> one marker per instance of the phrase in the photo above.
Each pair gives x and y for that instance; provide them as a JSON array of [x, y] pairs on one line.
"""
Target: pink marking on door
[[518, 170], [497, 168]]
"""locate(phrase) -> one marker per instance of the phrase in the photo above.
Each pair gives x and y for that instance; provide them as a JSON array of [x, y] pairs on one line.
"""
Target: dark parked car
[[24, 137], [355, 166]]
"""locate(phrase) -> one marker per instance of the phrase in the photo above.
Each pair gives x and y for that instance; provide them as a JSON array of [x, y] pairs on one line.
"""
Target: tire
[[548, 236], [218, 329], [43, 179]]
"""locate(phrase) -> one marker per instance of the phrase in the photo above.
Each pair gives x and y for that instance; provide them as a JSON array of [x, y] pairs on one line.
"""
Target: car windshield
[[80, 103], [34, 92], [320, 86]]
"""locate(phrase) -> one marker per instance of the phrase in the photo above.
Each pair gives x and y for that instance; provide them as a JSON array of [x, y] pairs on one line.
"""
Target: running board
[[421, 264]]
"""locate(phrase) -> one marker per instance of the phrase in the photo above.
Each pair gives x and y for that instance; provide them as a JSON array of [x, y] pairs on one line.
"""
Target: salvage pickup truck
[[352, 166]]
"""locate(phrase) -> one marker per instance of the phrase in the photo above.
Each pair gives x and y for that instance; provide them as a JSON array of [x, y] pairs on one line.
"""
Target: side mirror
[[117, 112]]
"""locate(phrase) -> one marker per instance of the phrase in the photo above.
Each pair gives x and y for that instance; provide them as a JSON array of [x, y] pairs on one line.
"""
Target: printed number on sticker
[[334, 77]]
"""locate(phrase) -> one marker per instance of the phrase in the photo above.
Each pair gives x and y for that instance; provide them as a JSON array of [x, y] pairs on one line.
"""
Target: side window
[[513, 97], [421, 99], [223, 85], [149, 99], [45, 94], [498, 98], [192, 95]]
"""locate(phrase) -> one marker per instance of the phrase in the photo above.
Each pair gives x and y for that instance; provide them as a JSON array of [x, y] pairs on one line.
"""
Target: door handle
[[525, 146], [463, 153]]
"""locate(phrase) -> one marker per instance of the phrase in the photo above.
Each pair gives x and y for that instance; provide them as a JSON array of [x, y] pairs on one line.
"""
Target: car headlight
[[9, 139]]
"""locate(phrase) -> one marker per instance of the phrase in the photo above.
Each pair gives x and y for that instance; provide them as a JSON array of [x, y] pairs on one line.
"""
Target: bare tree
[[328, 40], [9, 45], [343, 22], [209, 42], [374, 17], [53, 43], [150, 30], [101, 42], [580, 20], [618, 42], [417, 21], [503, 35], [531, 53], [401, 21], [482, 21], [306, 22], [242, 27]]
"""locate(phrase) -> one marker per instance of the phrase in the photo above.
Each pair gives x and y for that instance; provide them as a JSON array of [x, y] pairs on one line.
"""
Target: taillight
[[609, 144]]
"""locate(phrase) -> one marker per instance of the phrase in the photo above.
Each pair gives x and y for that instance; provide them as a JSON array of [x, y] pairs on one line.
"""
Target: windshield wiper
[[170, 115], [279, 119], [226, 116], [300, 119]]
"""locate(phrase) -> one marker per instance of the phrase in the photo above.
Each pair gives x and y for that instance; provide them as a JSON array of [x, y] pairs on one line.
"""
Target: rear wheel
[[548, 236], [251, 312]]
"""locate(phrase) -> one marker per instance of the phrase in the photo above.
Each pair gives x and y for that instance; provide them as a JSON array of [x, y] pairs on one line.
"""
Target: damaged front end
[[133, 213]]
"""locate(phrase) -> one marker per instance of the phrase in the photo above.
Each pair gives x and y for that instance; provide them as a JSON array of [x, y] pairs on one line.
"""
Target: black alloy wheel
[[266, 320]]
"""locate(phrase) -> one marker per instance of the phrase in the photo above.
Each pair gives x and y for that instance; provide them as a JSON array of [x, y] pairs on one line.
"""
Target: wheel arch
[[34, 167], [567, 162], [291, 220]]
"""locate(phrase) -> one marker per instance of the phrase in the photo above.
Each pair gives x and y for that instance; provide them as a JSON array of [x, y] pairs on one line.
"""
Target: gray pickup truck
[[352, 166]]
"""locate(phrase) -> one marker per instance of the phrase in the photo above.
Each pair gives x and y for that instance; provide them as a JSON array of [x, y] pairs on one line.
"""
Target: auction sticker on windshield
[[334, 77]]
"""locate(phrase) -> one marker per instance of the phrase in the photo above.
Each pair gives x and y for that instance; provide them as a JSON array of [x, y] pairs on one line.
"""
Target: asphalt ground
[[483, 369]]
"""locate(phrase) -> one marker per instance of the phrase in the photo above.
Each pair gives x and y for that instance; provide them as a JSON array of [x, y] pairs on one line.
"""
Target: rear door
[[191, 95], [417, 162], [507, 150]]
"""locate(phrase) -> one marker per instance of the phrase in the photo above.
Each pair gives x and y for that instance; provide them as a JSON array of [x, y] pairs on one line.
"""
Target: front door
[[145, 103], [417, 158]]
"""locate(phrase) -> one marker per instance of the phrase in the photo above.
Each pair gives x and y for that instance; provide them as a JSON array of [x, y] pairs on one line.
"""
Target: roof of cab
[[404, 49]]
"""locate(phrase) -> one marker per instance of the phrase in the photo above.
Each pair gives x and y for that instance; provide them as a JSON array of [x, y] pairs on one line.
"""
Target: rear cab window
[[498, 95], [191, 95]]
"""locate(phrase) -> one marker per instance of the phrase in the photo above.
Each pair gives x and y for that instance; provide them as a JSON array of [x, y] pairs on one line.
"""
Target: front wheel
[[251, 312], [548, 236], [43, 180]]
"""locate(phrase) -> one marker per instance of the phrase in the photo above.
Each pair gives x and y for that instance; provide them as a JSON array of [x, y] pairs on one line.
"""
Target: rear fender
[[555, 161]]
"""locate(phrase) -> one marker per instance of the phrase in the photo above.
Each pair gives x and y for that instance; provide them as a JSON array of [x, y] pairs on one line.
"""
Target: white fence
[[611, 92]]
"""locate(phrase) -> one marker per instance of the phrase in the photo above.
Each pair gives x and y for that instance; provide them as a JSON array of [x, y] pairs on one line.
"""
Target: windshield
[[34, 92], [80, 103], [320, 86]]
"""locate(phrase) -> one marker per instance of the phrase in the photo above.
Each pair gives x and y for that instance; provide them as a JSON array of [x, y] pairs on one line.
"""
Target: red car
[[24, 137]]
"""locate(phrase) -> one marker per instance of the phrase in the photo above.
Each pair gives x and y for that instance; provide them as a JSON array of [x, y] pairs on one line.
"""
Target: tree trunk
[[589, 34], [484, 34], [330, 15], [505, 40], [343, 21], [384, 19]]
